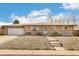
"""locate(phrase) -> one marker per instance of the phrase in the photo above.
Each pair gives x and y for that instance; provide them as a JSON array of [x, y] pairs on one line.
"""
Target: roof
[[56, 24]]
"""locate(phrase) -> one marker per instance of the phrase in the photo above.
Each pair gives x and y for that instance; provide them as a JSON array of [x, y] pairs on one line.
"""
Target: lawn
[[69, 43], [37, 43], [27, 43]]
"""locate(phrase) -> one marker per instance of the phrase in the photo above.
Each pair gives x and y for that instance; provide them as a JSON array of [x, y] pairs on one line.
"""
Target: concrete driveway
[[6, 38]]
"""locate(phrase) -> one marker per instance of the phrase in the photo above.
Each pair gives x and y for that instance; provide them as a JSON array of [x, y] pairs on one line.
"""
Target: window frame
[[34, 28]]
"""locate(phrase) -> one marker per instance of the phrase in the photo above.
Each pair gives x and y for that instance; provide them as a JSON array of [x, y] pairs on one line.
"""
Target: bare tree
[[70, 18], [50, 19]]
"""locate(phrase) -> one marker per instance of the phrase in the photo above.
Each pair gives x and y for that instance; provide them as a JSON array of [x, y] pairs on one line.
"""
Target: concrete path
[[50, 38], [55, 43]]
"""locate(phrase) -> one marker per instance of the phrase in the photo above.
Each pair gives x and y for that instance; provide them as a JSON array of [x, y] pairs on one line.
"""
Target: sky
[[33, 12]]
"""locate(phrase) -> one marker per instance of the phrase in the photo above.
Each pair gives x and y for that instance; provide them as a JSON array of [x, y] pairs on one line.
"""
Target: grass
[[39, 43], [69, 43], [27, 43]]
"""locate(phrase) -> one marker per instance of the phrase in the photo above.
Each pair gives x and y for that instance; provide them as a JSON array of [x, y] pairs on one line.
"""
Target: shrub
[[55, 34], [38, 33], [70, 49], [76, 33], [28, 33]]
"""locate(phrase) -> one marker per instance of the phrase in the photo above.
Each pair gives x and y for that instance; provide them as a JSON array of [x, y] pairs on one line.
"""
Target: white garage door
[[15, 31]]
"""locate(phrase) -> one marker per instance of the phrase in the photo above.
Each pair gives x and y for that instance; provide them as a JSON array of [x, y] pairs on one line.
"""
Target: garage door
[[15, 31]]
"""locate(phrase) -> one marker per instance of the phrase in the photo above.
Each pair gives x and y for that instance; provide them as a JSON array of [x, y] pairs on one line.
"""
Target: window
[[34, 27]]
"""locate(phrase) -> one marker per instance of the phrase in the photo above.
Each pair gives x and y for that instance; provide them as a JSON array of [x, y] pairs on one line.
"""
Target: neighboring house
[[1, 30], [22, 29], [76, 30]]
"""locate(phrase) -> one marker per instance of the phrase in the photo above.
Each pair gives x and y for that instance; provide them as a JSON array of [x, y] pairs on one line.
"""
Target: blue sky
[[22, 9]]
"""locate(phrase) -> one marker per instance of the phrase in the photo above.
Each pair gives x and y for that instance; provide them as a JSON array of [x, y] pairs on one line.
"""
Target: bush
[[76, 33], [70, 49], [38, 33], [55, 34], [28, 33]]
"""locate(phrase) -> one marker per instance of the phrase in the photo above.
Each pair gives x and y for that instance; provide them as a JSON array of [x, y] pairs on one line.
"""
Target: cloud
[[40, 19], [4, 23], [45, 12], [77, 18], [65, 18], [71, 6], [21, 19], [59, 16], [33, 17], [42, 16]]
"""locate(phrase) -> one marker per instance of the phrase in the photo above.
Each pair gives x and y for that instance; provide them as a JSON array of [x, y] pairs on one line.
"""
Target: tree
[[16, 22], [71, 18]]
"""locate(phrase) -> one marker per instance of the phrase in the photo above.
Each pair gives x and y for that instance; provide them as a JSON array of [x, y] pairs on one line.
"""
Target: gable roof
[[56, 24]]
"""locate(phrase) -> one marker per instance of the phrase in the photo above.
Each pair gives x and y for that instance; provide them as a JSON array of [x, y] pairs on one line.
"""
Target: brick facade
[[40, 28]]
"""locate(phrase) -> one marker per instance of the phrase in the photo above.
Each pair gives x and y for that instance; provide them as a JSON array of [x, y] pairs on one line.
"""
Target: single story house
[[49, 28]]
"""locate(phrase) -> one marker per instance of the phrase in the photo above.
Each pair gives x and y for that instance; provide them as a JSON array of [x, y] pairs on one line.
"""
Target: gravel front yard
[[36, 43], [27, 43], [69, 43]]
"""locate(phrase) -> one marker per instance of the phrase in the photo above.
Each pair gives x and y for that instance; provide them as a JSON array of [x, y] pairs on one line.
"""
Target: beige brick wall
[[59, 29], [41, 28], [27, 28], [68, 31], [5, 30], [51, 29]]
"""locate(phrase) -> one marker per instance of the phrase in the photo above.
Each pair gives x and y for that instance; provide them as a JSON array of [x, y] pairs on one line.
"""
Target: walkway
[[55, 43]]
